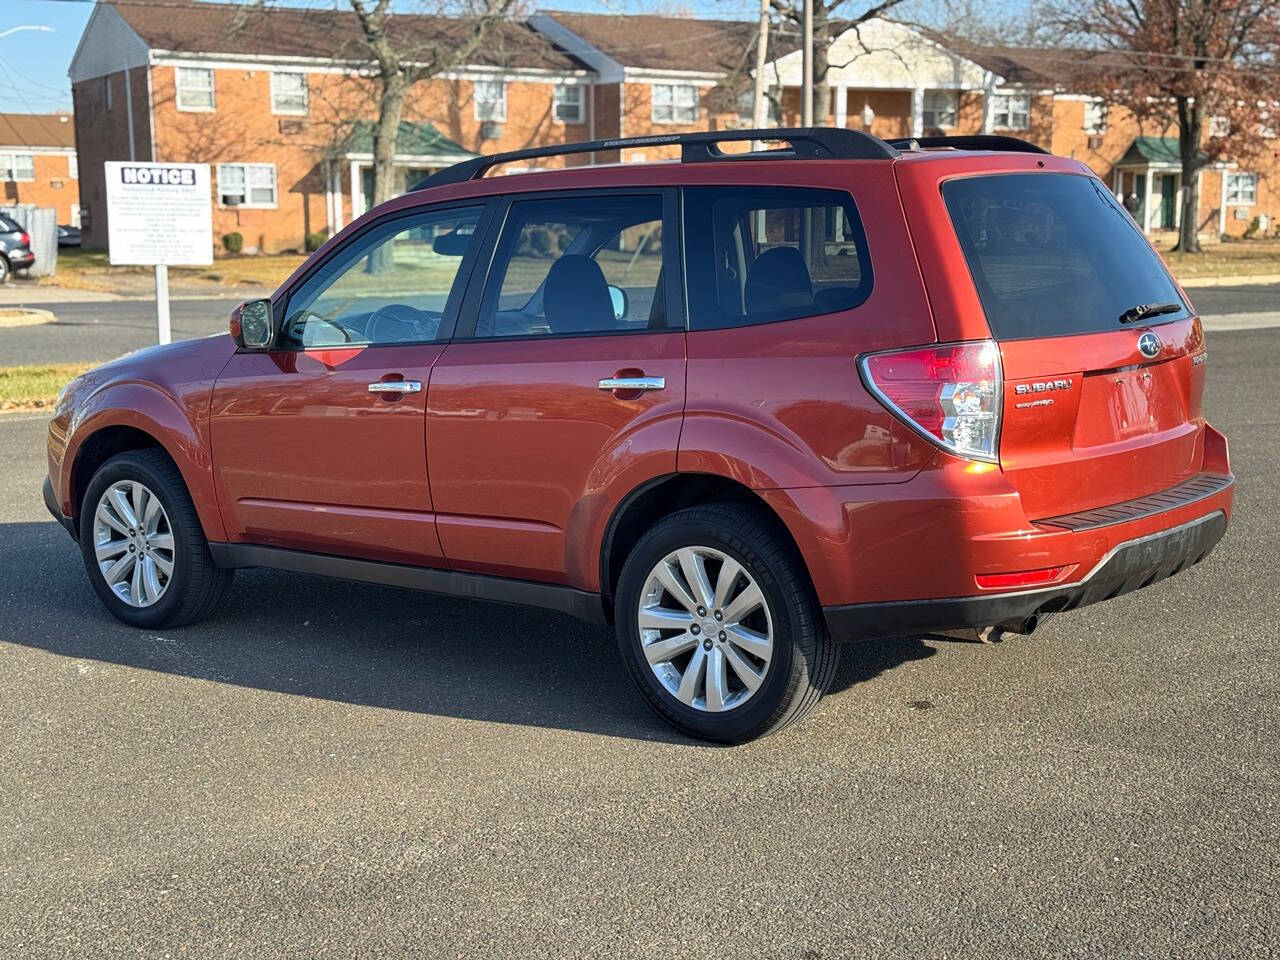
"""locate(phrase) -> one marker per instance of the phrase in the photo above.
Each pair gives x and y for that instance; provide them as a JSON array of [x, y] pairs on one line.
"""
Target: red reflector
[[1023, 578]]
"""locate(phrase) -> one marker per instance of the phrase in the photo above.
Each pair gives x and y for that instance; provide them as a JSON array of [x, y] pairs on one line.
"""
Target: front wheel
[[719, 626], [143, 547]]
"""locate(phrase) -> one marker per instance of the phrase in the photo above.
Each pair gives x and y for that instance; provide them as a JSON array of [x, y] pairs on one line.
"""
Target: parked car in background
[[68, 236], [743, 407], [15, 247]]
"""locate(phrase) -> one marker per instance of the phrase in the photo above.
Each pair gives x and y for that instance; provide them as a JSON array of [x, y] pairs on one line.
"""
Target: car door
[[564, 383], [319, 444]]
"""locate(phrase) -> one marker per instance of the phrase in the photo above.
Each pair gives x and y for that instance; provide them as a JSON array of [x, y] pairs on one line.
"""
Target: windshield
[[1055, 254]]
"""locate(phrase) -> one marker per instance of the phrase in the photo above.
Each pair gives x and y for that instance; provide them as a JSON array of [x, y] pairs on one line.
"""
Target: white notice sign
[[159, 213]]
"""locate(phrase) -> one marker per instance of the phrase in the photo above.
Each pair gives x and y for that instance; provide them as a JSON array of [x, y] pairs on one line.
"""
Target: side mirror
[[253, 326], [619, 298]]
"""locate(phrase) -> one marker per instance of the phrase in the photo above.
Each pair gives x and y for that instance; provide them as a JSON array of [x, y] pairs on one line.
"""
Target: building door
[[1168, 201]]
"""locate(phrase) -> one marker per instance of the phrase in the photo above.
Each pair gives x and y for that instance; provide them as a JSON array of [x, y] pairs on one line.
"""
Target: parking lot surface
[[334, 769]]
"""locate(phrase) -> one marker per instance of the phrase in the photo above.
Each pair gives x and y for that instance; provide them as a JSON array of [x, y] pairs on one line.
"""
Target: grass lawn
[[90, 270], [36, 387], [1238, 258]]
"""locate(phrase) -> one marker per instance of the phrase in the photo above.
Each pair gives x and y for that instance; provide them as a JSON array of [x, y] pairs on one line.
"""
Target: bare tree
[[404, 50], [1183, 63]]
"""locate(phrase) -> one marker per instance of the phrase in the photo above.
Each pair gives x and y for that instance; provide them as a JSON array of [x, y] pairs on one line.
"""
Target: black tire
[[197, 585], [4, 268], [804, 656]]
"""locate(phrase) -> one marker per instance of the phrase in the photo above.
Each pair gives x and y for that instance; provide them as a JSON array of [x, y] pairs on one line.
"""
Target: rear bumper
[[20, 259], [1129, 566]]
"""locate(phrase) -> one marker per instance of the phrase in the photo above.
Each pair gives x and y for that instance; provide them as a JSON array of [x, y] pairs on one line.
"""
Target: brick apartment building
[[273, 100], [38, 163]]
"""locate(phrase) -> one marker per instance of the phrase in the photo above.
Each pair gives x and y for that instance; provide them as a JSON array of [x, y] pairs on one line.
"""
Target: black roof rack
[[975, 142], [811, 143]]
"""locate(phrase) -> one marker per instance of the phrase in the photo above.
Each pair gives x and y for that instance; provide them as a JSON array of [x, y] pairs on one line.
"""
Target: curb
[[24, 317], [1257, 279]]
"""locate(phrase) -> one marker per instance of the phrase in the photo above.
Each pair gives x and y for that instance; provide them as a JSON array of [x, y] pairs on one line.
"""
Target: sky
[[33, 63]]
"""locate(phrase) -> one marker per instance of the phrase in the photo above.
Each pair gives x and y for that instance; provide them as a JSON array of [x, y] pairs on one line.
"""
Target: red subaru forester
[[743, 406]]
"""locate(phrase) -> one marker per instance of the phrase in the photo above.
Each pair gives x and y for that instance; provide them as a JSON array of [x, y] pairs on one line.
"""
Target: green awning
[[1146, 150], [412, 140]]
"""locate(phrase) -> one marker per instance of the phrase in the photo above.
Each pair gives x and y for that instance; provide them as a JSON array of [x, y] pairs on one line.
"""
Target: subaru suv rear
[[743, 407]]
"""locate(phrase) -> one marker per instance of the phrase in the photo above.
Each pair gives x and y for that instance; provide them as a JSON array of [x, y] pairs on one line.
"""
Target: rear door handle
[[633, 383], [396, 386]]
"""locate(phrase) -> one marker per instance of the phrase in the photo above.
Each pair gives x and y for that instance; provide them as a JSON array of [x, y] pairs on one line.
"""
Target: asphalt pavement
[[336, 770], [88, 331]]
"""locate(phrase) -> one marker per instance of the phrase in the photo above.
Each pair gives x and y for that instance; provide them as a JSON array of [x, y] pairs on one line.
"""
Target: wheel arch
[[663, 495]]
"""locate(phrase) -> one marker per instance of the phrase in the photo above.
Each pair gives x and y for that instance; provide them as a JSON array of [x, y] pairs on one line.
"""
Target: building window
[[674, 103], [247, 184], [568, 102], [73, 167], [1095, 118], [106, 90], [940, 107], [1242, 189], [288, 93], [18, 166], [1011, 111], [195, 88], [491, 100], [1219, 127]]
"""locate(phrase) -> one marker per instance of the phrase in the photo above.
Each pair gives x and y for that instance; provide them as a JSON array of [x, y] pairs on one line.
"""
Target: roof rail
[[810, 143], [975, 142]]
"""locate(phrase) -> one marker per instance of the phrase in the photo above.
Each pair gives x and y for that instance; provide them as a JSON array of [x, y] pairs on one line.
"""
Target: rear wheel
[[4, 268], [719, 627], [143, 547]]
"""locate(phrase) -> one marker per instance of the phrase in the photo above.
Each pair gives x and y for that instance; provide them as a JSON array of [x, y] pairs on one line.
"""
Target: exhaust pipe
[[1024, 627]]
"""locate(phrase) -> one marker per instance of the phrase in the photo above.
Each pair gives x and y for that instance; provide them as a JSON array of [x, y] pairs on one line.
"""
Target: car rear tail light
[[1023, 578], [949, 393], [24, 239]]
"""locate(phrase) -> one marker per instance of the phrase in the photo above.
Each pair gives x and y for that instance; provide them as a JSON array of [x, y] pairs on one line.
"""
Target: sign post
[[159, 214]]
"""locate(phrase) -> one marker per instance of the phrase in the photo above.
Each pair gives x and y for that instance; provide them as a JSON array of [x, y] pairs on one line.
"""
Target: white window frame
[[9, 167], [73, 166], [557, 101], [1219, 126], [277, 93], [1235, 194], [950, 107], [179, 86], [246, 169], [1003, 103], [664, 96], [1095, 125], [489, 116]]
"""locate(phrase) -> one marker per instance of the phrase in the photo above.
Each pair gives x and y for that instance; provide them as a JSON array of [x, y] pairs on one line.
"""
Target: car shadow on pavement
[[362, 644]]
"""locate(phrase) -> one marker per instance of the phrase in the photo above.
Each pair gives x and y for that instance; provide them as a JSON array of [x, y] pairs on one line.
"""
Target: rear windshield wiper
[[1144, 310]]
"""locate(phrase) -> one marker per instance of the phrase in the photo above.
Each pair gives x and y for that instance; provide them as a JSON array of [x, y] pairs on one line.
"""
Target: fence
[[42, 224]]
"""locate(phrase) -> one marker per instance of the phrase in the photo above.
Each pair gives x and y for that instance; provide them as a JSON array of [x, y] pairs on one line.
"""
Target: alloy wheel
[[133, 543], [705, 629]]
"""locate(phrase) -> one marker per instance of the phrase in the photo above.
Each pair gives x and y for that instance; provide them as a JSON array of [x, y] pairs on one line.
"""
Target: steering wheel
[[395, 322]]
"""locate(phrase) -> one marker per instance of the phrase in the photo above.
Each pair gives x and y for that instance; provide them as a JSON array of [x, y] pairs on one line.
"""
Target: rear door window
[[763, 254], [1055, 254]]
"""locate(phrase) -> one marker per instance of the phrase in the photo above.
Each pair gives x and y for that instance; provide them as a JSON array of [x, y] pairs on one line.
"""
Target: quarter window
[[195, 88], [491, 100], [1011, 111], [393, 285], [18, 166], [1242, 189], [288, 93], [568, 102], [675, 103], [939, 108], [576, 265], [247, 184], [761, 254]]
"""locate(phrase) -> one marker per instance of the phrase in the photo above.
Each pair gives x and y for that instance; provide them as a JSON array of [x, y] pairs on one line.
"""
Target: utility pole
[[806, 96], [759, 113]]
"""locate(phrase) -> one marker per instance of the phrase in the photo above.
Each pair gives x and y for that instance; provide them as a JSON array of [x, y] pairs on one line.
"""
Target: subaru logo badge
[[1149, 345]]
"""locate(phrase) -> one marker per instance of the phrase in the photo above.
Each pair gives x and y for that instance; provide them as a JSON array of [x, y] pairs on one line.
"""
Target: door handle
[[633, 383], [396, 386]]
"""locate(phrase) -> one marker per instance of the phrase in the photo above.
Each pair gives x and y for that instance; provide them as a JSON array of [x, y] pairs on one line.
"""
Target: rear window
[[1054, 254], [763, 254], [9, 226]]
